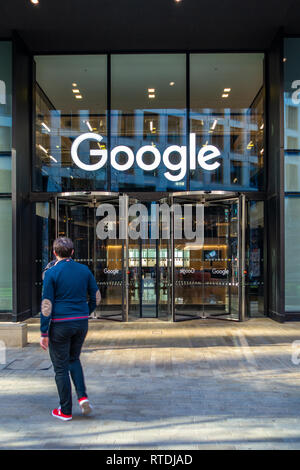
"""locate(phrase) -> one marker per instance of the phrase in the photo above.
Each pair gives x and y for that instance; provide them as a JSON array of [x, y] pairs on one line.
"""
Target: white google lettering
[[295, 94], [187, 271], [111, 271], [220, 271], [205, 154]]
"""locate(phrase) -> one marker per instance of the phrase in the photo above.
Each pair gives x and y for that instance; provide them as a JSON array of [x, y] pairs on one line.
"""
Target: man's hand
[[44, 342]]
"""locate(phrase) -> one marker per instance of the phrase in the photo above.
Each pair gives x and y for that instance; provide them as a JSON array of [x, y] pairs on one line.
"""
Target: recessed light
[[35, 2], [151, 96], [151, 90], [74, 84], [43, 148], [214, 124], [46, 127], [78, 97], [225, 95], [172, 83], [227, 90], [75, 90], [89, 126]]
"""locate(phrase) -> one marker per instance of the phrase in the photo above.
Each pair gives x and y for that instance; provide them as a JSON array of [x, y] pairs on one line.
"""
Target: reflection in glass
[[70, 100], [255, 259], [292, 254], [5, 115], [6, 255], [147, 110], [227, 111], [207, 275]]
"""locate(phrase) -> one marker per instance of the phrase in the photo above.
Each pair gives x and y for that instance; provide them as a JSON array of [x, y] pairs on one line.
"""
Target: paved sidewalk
[[158, 385]]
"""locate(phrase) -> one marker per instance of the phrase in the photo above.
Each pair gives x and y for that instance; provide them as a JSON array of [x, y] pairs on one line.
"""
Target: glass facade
[[5, 116], [155, 117], [5, 176], [292, 172]]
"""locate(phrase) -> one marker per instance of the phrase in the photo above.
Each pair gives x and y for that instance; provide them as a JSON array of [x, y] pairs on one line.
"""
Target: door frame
[[221, 197]]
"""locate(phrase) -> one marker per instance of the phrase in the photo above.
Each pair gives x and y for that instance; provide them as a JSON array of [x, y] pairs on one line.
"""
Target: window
[[227, 111], [70, 100], [151, 88], [5, 116]]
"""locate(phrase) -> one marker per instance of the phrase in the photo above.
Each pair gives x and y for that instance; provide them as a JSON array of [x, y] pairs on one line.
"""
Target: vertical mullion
[[108, 104], [188, 118]]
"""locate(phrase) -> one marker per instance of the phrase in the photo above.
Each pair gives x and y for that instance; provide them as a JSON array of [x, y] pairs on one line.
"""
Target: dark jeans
[[65, 343]]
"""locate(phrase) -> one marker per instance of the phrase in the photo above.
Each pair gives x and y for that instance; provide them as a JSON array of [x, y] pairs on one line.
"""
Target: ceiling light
[[227, 90], [34, 2], [74, 84], [214, 124], [46, 127], [75, 90], [172, 83], [52, 158], [89, 126], [151, 96], [225, 95], [78, 97], [42, 148], [151, 90]]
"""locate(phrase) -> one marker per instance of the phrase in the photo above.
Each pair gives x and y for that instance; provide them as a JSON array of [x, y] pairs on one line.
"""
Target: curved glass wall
[[154, 122]]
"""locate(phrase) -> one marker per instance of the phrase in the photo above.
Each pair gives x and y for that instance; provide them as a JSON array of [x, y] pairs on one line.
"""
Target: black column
[[275, 181], [22, 216]]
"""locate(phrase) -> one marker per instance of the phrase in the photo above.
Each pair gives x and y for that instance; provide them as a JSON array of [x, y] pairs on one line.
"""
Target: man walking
[[64, 323]]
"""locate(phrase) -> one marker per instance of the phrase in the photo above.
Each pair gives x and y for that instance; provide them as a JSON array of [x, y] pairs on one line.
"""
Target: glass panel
[[227, 111], [108, 260], [149, 279], [189, 271], [6, 255], [207, 274], [292, 254], [70, 101], [255, 259], [45, 235], [148, 109], [5, 115], [221, 260], [78, 221], [291, 113]]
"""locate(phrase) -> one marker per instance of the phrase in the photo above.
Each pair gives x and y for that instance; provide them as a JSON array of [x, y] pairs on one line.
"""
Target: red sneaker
[[86, 407], [58, 414]]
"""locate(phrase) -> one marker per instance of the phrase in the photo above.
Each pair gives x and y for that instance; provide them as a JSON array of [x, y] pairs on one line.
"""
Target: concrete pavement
[[156, 385]]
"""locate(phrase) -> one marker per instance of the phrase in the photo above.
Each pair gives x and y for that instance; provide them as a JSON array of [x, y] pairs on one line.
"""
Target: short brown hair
[[63, 247]]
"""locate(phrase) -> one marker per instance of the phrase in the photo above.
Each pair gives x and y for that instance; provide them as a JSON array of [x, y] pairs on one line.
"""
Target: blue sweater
[[66, 289]]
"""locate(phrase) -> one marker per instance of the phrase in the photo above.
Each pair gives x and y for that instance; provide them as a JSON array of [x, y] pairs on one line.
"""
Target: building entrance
[[150, 267]]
